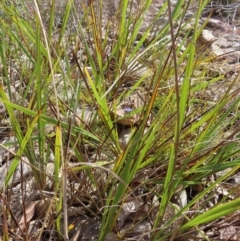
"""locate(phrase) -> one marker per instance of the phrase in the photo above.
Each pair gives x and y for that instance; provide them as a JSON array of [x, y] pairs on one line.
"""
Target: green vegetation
[[54, 77]]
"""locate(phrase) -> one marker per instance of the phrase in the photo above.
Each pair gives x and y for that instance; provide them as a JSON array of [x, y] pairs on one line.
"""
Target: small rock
[[125, 134], [84, 116], [127, 209], [206, 37], [180, 198], [222, 42], [124, 137], [139, 231], [217, 51]]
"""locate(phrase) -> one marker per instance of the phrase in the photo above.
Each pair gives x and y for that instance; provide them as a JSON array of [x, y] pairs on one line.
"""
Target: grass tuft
[[110, 111]]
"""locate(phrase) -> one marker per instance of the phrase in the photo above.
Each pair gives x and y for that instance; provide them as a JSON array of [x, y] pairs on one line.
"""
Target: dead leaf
[[30, 209]]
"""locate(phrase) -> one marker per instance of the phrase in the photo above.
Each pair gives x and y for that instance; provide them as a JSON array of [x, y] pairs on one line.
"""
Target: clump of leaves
[[87, 67]]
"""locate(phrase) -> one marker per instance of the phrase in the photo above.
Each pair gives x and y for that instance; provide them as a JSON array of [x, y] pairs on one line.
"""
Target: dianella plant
[[108, 130]]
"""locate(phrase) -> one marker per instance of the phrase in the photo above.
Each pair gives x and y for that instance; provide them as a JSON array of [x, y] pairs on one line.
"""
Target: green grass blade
[[21, 151], [213, 214], [58, 164]]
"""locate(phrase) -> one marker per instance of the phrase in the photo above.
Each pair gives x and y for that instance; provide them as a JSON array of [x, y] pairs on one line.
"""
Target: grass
[[179, 143]]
